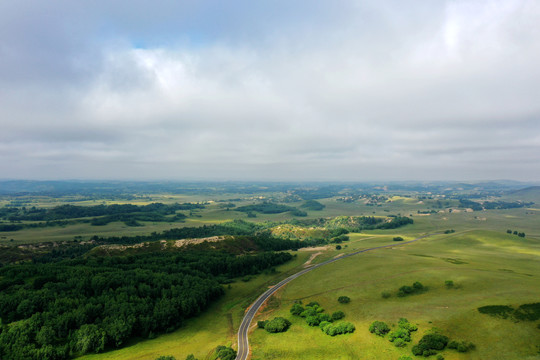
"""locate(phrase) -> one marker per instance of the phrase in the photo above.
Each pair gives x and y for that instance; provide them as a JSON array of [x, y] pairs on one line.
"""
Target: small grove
[[430, 344], [314, 315]]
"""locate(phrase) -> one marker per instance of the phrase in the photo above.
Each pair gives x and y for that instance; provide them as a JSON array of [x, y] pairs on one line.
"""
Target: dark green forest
[[89, 304], [100, 214]]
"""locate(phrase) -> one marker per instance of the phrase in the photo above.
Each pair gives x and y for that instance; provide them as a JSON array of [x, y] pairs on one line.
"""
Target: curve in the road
[[243, 343]]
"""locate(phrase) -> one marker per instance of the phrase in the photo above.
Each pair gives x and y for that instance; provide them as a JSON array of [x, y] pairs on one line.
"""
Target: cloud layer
[[352, 90]]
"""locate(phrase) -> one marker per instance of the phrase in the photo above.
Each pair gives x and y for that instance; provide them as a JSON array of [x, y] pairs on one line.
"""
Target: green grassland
[[487, 265], [487, 268]]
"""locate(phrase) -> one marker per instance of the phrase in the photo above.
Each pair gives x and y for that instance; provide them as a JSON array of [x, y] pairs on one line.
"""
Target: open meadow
[[471, 250]]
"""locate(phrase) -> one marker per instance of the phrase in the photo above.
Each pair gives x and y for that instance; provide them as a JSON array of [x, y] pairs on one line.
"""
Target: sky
[[270, 90]]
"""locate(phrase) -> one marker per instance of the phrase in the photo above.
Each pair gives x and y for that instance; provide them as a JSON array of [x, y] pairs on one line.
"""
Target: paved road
[[243, 344]]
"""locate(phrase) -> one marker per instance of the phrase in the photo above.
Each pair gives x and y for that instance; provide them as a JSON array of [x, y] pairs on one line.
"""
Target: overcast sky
[[270, 90]]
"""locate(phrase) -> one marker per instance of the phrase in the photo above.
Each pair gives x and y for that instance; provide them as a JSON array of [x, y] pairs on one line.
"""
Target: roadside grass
[[488, 271]]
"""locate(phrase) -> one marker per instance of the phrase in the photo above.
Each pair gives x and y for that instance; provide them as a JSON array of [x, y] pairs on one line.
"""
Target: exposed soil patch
[[315, 248], [184, 242], [313, 256]]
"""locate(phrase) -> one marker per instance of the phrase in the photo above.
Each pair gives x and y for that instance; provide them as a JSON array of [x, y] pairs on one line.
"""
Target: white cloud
[[376, 90]]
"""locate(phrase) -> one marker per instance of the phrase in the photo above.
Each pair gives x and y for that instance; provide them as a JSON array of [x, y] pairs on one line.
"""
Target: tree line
[[101, 214]]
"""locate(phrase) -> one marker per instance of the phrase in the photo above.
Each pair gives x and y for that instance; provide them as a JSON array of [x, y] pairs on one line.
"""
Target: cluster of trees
[[416, 288], [336, 329], [429, 344], [434, 341], [400, 336], [379, 328], [339, 239], [313, 205], [71, 307], [314, 315], [491, 205], [278, 324], [515, 232]]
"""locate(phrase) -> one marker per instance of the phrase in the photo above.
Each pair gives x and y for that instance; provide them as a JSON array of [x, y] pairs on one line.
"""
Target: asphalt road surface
[[243, 343]]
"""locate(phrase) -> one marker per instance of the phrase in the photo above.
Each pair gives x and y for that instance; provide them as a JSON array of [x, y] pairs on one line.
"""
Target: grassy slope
[[488, 267], [495, 273]]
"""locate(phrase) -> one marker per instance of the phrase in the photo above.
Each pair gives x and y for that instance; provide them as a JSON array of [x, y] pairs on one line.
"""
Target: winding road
[[243, 343]]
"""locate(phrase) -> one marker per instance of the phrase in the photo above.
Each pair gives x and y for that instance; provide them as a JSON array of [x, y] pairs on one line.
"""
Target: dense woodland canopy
[[58, 310]]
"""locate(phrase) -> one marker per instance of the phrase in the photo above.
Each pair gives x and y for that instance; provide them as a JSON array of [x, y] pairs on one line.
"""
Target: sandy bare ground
[[164, 244], [313, 256], [315, 248], [184, 242]]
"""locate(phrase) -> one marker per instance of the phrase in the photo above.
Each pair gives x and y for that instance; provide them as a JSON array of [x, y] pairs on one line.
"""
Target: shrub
[[261, 324], [344, 299], [449, 284], [428, 353], [338, 329], [324, 324], [398, 238], [313, 303], [324, 317], [278, 324], [399, 343], [405, 357], [385, 294], [405, 324], [338, 315], [440, 357], [225, 353], [296, 309], [429, 344], [311, 311], [399, 333], [404, 291], [379, 328], [461, 346], [338, 247], [166, 357], [313, 320], [417, 286]]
